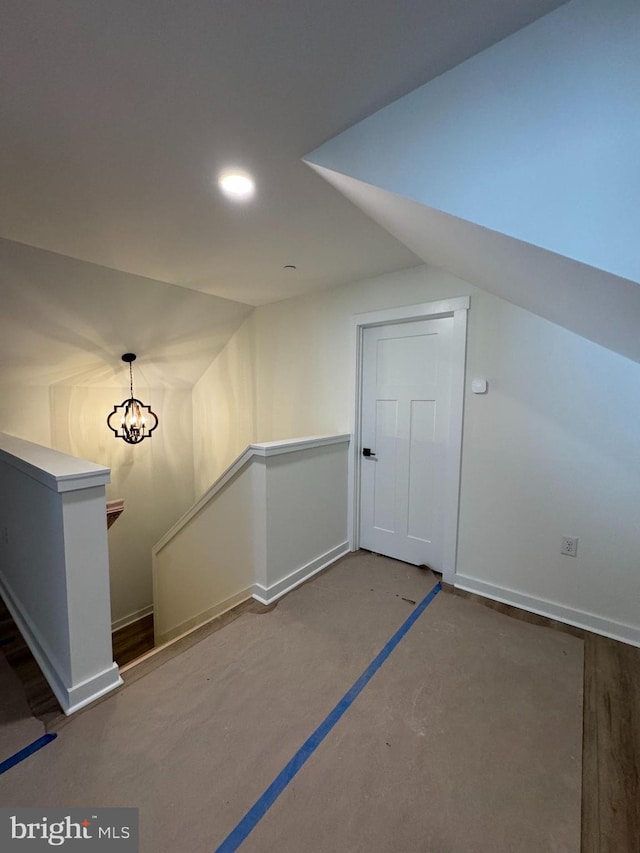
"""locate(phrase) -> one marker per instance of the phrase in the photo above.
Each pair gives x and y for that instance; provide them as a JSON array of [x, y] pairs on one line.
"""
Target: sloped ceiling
[[67, 322], [518, 170], [118, 115], [595, 304], [116, 118]]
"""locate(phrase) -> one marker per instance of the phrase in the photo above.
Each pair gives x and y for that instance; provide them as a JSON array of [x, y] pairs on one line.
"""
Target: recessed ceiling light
[[236, 184]]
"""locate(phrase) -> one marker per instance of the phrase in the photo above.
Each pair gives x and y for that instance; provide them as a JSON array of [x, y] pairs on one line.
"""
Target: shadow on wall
[[225, 408], [155, 478], [68, 321]]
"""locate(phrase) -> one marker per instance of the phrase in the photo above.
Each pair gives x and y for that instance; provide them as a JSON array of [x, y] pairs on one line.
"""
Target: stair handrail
[[261, 450]]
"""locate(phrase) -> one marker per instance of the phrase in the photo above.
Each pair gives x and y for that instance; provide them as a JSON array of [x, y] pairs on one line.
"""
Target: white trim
[[260, 451], [93, 688], [46, 660], [456, 307], [290, 445], [407, 313], [454, 443], [124, 621], [267, 595], [202, 618], [70, 698], [579, 618], [258, 592], [53, 469], [168, 643]]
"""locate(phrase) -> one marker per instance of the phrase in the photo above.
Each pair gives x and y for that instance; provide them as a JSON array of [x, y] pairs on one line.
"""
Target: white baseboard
[[205, 616], [267, 595], [260, 593], [93, 688], [131, 618], [578, 618], [73, 698]]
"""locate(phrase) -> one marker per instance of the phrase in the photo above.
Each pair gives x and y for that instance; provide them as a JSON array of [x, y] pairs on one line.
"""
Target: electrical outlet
[[569, 546]]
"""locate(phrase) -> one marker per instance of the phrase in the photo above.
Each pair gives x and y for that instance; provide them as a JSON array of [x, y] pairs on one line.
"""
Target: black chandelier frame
[[130, 417]]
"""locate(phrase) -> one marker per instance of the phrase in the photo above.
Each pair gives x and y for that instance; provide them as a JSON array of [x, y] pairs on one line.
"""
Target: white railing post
[[54, 566], [273, 519]]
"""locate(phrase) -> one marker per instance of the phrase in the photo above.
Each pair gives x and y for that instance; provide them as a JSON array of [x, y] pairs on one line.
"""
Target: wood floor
[[133, 641], [40, 697], [611, 747], [128, 644], [611, 735], [611, 717]]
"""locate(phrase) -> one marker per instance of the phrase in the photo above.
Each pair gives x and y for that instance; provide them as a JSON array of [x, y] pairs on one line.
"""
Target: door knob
[[366, 451]]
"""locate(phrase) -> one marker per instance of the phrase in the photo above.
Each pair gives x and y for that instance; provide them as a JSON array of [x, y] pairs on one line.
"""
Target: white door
[[406, 398]]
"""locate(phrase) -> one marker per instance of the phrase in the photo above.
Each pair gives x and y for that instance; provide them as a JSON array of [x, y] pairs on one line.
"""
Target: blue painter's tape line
[[261, 806], [8, 763]]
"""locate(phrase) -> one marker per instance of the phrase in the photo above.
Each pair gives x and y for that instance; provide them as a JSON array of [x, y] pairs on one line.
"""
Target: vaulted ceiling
[[117, 116], [518, 170]]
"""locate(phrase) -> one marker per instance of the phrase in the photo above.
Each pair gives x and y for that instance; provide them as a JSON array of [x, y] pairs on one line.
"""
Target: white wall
[[306, 514], [24, 411], [224, 408], [274, 518], [535, 137], [209, 564], [63, 326], [155, 478], [553, 449], [54, 571]]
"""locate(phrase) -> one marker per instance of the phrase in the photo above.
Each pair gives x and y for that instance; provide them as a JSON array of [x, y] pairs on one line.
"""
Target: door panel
[[422, 469], [386, 428], [405, 411], [407, 361]]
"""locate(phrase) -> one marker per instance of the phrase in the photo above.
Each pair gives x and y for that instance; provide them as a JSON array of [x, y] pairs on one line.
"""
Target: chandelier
[[132, 421]]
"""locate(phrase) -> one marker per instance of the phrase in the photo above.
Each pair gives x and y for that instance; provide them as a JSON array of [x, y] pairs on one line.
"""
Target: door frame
[[457, 308]]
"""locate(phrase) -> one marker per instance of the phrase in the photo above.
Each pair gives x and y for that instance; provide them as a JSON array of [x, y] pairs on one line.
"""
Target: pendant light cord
[[132, 421]]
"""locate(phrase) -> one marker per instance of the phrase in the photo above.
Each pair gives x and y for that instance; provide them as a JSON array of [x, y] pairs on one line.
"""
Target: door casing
[[457, 308]]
